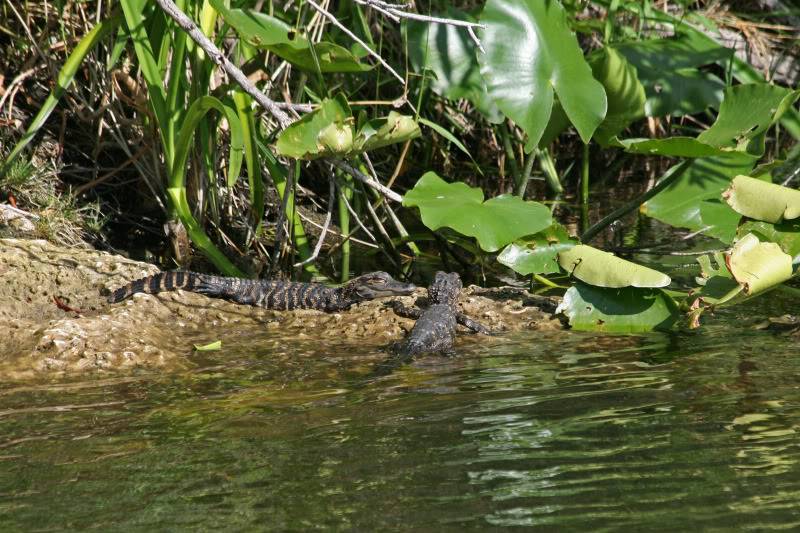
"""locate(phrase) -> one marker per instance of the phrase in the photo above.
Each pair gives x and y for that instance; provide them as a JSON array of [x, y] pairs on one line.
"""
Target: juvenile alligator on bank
[[435, 329], [276, 294]]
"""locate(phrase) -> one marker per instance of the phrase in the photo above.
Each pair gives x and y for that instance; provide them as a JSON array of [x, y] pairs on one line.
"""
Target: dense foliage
[[479, 95]]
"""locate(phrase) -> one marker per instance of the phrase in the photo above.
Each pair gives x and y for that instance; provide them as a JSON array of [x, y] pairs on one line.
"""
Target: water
[[558, 430]]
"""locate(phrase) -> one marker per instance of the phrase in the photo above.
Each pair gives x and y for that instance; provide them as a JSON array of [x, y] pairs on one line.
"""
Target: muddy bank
[[54, 318]]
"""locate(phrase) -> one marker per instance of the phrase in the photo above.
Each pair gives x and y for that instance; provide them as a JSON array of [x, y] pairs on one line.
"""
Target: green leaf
[[744, 116], [494, 223], [761, 200], [758, 266], [447, 135], [321, 133], [626, 97], [270, 33], [604, 269], [786, 235], [623, 310], [531, 52], [539, 253], [381, 132], [679, 205], [216, 345], [450, 53], [719, 220], [667, 68]]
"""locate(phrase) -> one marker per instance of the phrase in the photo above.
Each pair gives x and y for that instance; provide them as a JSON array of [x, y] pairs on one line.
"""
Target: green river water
[[550, 431]]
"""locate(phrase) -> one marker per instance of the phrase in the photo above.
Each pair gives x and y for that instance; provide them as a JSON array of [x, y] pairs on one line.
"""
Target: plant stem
[[510, 155], [549, 168], [585, 188], [668, 180], [526, 175]]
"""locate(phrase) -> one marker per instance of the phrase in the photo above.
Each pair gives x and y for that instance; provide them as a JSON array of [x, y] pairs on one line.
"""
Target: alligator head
[[445, 288], [376, 285]]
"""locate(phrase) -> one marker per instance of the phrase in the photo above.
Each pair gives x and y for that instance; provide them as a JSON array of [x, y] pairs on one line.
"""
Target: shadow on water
[[549, 430]]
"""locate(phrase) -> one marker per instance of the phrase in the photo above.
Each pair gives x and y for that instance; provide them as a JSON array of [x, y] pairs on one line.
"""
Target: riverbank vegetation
[[505, 140]]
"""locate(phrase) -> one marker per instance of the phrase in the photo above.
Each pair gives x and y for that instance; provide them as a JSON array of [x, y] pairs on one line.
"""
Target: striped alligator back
[[164, 281]]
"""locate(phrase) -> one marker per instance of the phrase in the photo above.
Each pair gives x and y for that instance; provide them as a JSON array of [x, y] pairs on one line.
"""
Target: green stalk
[[668, 180], [549, 169], [585, 188], [526, 175], [65, 77], [345, 193], [510, 155]]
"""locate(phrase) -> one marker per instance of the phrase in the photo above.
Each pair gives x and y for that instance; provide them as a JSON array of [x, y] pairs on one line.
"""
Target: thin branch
[[385, 191], [395, 11], [219, 58], [355, 38], [328, 217]]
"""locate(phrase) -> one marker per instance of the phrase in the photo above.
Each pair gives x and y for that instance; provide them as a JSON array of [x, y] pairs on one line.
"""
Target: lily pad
[[270, 33], [623, 310], [494, 223], [539, 253], [786, 235], [604, 269], [758, 266], [531, 53], [762, 200]]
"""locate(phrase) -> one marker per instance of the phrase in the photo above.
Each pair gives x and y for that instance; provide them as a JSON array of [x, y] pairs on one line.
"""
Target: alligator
[[435, 329], [277, 295]]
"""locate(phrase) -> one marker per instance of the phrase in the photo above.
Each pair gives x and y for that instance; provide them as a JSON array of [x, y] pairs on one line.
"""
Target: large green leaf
[[531, 52], [744, 116], [604, 269], [270, 33], [680, 204], [618, 310], [667, 68], [626, 97], [761, 200], [720, 221], [325, 131], [450, 53], [539, 253], [494, 223]]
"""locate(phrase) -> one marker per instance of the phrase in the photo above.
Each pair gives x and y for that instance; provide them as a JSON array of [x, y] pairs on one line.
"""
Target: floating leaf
[[270, 33], [604, 269], [530, 53], [539, 253], [618, 310], [216, 345], [494, 223], [761, 200], [758, 266]]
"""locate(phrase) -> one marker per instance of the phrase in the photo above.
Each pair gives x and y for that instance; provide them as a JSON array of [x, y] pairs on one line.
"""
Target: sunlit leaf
[[762, 200], [494, 223], [758, 266], [216, 345], [621, 310], [384, 131], [786, 235], [319, 133], [530, 54], [604, 269], [626, 97]]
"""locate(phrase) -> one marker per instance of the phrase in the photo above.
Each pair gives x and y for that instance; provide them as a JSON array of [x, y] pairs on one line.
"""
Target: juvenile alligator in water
[[278, 295], [435, 329]]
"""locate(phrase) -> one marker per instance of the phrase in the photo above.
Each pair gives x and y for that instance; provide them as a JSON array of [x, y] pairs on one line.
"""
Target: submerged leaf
[[494, 223], [604, 269], [216, 345], [621, 310], [762, 200]]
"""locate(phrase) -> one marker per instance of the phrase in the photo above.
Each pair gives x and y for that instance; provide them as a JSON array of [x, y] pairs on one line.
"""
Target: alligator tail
[[164, 281]]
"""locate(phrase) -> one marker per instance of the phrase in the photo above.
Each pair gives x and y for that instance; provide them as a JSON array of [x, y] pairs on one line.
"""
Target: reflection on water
[[551, 430]]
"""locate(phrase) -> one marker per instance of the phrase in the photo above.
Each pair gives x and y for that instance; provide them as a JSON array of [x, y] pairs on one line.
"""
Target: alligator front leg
[[476, 327], [406, 312]]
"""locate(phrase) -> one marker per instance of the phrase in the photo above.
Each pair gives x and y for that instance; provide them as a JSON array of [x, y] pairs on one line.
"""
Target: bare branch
[[356, 39], [385, 191]]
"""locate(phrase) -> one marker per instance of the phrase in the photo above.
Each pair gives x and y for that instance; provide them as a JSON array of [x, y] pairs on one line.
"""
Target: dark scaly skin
[[277, 295], [435, 329]]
